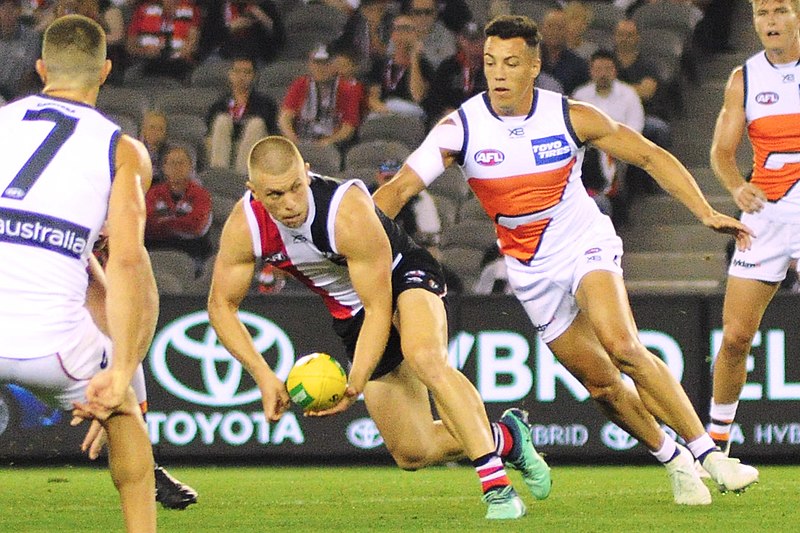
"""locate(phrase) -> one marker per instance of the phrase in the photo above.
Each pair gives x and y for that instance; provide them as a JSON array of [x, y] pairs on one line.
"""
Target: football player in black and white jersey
[[64, 170], [385, 295]]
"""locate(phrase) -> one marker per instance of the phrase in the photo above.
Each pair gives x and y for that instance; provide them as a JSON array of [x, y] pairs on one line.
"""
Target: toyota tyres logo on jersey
[[188, 360]]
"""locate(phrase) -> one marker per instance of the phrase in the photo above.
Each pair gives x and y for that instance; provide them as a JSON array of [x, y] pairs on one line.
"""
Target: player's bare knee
[[429, 364], [736, 340], [630, 356], [606, 393], [410, 460]]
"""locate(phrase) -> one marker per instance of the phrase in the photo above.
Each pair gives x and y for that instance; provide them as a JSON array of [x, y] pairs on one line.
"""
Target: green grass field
[[354, 499]]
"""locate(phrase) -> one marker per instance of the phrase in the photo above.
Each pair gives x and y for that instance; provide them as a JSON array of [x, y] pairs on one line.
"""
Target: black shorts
[[417, 270]]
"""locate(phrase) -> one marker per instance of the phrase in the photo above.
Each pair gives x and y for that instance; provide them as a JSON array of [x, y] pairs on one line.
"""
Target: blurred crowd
[[356, 84]]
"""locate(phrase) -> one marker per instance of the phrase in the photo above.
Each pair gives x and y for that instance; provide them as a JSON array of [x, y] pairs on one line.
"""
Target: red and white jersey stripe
[[309, 252]]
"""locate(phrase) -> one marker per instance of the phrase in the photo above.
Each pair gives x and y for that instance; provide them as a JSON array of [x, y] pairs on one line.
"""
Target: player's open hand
[[725, 224], [749, 198], [105, 395], [274, 398], [94, 441], [349, 398]]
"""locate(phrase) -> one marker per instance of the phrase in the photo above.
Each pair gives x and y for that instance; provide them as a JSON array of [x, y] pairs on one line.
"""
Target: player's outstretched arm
[[436, 153], [132, 297], [728, 133], [233, 274], [593, 126], [360, 237]]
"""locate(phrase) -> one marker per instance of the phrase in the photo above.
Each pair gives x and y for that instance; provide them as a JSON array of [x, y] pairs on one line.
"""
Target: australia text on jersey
[[42, 231]]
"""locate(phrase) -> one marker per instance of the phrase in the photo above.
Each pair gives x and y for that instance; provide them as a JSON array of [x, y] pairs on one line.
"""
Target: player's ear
[[105, 71], [41, 70]]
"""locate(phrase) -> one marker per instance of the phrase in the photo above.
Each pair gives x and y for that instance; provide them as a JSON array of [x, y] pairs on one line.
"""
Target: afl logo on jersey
[[490, 157], [767, 98]]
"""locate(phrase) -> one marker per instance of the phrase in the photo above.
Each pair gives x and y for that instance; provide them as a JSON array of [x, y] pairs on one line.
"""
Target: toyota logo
[[188, 360], [616, 438], [362, 433]]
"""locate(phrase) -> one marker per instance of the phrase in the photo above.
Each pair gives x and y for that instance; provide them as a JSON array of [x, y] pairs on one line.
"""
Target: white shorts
[[774, 246], [61, 378], [546, 288]]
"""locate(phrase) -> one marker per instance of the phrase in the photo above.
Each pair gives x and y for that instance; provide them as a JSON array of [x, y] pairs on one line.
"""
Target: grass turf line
[[383, 499]]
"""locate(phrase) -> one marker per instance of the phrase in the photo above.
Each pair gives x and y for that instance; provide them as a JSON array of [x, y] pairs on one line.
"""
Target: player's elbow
[[219, 307]]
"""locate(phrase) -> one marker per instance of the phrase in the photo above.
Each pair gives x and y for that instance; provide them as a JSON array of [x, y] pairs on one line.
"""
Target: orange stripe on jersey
[[523, 241], [523, 194], [776, 153]]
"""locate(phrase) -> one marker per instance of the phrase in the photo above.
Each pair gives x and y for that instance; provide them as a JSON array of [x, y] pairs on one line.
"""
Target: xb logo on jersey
[[188, 360]]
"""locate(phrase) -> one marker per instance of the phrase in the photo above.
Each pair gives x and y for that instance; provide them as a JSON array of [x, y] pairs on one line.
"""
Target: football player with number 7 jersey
[[64, 170]]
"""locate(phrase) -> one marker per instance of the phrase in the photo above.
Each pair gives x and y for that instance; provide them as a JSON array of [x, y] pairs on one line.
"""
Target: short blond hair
[[273, 155], [74, 50]]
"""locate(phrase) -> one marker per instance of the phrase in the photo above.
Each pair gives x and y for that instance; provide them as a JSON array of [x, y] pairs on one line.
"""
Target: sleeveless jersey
[[526, 172], [772, 109], [55, 181], [309, 252]]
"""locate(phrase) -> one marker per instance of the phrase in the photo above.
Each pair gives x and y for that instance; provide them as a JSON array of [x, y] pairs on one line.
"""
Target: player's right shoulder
[[131, 157], [236, 241], [130, 147]]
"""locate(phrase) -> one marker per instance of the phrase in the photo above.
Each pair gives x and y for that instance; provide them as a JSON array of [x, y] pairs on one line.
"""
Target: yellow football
[[316, 382]]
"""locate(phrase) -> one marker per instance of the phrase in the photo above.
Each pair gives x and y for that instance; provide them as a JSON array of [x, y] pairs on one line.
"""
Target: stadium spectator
[[321, 106], [602, 175], [438, 42], [454, 14], [399, 83], [460, 76], [366, 33], [19, 48], [643, 76], [163, 38], [557, 59], [579, 16], [179, 209], [153, 134], [249, 28], [239, 118]]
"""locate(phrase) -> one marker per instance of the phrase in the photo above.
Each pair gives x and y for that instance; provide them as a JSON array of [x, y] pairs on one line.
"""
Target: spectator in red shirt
[[321, 106], [179, 210], [163, 35]]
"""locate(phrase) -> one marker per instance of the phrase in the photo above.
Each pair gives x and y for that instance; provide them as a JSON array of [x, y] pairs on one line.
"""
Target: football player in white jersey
[[520, 149], [762, 98], [378, 285], [64, 170]]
